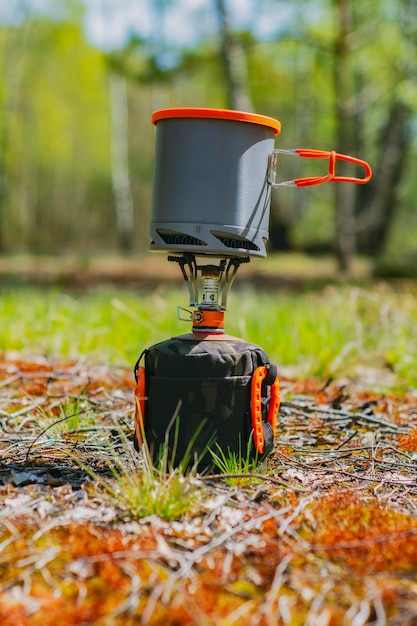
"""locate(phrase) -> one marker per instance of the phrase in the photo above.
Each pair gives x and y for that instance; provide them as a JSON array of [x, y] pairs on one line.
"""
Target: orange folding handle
[[256, 407], [331, 175], [331, 156]]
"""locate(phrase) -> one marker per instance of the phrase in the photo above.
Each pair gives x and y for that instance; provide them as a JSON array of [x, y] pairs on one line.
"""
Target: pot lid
[[220, 114]]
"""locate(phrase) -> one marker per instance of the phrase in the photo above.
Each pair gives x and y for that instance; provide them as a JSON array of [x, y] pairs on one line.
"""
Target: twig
[[8, 381], [55, 423], [252, 475], [355, 432], [343, 415]]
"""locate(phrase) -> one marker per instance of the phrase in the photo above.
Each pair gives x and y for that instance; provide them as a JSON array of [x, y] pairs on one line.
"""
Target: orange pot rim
[[219, 114]]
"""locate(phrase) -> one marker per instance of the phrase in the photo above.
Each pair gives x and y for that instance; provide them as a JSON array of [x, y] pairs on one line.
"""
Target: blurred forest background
[[77, 91]]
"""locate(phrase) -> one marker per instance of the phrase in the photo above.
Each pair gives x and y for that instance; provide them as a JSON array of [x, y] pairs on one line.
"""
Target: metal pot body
[[210, 189]]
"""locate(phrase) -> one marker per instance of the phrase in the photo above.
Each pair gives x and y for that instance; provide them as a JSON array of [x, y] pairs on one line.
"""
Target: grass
[[69, 418], [365, 332], [136, 485], [235, 466], [141, 488]]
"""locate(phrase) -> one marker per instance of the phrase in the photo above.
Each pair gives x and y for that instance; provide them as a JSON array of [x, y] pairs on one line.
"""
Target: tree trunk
[[345, 135], [234, 63], [119, 141], [3, 145], [374, 221]]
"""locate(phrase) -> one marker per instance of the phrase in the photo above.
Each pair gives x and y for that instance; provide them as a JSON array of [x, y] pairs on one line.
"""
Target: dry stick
[[9, 380], [355, 432], [26, 409], [338, 413], [63, 419], [267, 606], [339, 453], [396, 464], [249, 475], [128, 606], [403, 483], [408, 481], [310, 466]]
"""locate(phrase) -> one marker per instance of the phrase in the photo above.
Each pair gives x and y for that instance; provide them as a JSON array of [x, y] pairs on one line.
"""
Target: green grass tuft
[[234, 465], [140, 488]]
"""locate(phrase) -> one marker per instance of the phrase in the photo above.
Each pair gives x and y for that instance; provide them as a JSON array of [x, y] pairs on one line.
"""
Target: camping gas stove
[[206, 390]]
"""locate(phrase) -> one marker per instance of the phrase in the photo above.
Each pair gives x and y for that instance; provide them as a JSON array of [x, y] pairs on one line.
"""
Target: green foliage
[[57, 148], [105, 325], [55, 180], [332, 332]]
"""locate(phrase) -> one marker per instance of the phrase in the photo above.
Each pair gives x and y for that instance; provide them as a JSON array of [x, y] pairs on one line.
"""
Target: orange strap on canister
[[258, 377], [140, 391], [274, 404]]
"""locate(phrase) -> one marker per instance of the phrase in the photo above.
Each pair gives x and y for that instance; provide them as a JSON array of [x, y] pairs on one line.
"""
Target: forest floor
[[325, 534]]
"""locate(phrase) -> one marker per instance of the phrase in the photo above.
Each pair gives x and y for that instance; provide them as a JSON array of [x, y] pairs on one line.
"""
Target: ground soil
[[325, 533]]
